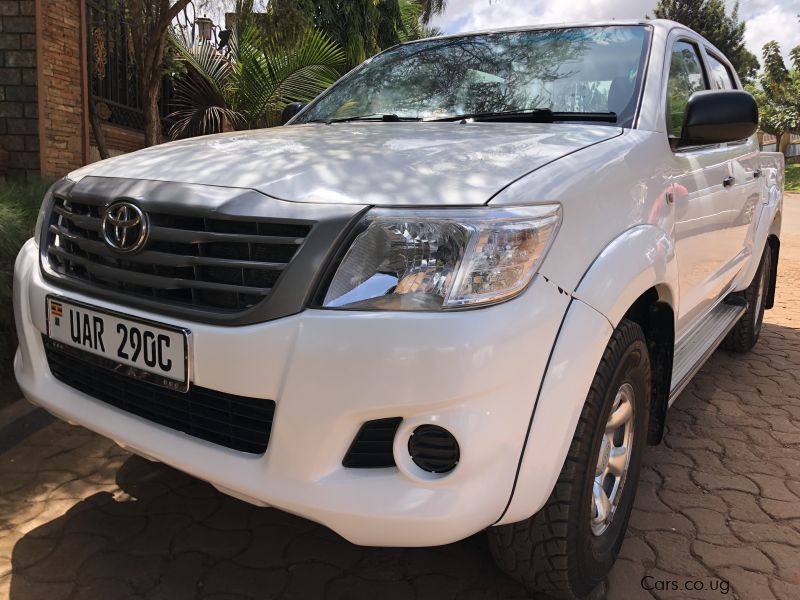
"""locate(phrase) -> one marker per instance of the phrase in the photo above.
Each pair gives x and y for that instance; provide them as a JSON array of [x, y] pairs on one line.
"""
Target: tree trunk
[[148, 23], [97, 131], [782, 145], [152, 114]]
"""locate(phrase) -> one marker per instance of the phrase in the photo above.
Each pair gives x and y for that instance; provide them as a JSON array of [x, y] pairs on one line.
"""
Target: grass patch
[[19, 206], [793, 177]]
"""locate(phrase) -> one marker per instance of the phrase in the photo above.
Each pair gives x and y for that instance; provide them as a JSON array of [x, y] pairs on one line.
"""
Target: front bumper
[[474, 372]]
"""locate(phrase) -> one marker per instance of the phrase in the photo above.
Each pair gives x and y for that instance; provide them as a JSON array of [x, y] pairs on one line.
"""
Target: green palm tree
[[249, 85], [429, 8], [361, 27], [414, 22]]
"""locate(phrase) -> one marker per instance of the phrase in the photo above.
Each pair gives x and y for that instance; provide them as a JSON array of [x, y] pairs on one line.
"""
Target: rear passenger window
[[685, 78], [721, 77]]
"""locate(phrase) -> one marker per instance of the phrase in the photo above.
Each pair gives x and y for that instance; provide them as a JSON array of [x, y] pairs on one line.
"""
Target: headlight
[[43, 210], [444, 258]]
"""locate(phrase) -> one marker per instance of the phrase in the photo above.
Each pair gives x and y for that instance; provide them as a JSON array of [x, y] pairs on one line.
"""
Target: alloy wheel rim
[[613, 460]]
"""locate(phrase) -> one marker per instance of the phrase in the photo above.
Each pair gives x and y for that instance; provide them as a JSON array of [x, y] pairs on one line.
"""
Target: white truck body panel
[[329, 372], [356, 163]]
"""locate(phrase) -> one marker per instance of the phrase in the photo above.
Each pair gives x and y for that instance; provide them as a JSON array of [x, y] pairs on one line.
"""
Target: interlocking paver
[[719, 505], [309, 580], [748, 558], [785, 559], [179, 578], [228, 577], [784, 590]]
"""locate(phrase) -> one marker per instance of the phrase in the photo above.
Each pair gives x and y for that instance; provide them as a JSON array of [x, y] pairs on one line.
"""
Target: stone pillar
[[61, 81]]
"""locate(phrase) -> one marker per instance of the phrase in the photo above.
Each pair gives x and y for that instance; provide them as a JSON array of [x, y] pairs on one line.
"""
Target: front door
[[709, 201]]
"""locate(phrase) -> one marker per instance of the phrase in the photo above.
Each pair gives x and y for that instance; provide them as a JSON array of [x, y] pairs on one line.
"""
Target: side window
[[685, 78], [721, 77]]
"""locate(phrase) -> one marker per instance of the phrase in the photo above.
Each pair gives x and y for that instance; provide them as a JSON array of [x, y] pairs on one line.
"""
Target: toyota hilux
[[456, 292]]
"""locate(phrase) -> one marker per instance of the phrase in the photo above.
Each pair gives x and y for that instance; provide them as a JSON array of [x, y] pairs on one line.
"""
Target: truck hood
[[362, 163]]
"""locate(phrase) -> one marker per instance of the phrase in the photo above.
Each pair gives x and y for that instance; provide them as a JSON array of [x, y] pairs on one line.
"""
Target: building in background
[[57, 56], [792, 150]]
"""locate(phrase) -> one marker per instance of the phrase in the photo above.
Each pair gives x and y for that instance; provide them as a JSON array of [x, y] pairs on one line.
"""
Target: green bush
[[793, 177], [19, 205]]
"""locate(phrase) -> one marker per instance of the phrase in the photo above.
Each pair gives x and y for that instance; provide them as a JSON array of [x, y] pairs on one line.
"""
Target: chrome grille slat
[[155, 281], [208, 262], [164, 258], [186, 236], [83, 221]]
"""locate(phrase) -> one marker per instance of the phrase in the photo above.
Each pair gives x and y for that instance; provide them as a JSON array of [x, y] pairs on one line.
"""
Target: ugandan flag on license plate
[[56, 311]]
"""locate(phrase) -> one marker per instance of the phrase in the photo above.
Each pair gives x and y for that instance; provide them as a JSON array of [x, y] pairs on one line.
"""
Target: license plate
[[139, 348]]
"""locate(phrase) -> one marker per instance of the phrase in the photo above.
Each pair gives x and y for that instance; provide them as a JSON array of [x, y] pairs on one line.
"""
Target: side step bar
[[696, 348]]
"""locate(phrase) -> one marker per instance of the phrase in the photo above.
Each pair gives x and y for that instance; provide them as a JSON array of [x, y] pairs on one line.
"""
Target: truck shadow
[[164, 534], [168, 535]]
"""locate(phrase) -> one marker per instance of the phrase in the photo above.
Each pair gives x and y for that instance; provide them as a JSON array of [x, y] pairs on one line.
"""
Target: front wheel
[[570, 545]]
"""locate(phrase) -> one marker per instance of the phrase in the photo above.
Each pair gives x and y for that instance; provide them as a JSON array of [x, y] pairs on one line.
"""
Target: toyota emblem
[[125, 227]]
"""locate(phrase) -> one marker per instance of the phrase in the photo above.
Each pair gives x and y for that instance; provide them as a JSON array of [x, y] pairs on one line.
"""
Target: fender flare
[[769, 223], [643, 257], [571, 367]]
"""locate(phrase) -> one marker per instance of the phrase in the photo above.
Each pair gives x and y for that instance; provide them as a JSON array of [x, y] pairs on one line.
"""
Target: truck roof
[[665, 25]]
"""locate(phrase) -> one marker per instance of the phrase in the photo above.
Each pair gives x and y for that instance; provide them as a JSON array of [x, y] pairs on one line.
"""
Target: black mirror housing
[[290, 110], [719, 116]]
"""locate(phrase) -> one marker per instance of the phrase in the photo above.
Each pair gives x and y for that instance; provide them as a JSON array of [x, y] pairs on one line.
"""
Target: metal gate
[[113, 77]]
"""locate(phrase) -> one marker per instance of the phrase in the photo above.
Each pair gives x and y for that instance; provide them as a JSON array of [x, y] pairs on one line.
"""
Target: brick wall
[[61, 73], [44, 127], [19, 139]]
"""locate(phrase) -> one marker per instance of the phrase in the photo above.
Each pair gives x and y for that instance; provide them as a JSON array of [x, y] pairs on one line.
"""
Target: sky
[[766, 19]]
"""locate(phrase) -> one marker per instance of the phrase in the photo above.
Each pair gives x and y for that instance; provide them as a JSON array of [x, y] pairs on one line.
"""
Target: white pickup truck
[[457, 292]]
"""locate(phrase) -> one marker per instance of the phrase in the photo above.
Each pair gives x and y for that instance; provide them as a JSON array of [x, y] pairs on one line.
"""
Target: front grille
[[235, 422], [209, 263], [372, 446]]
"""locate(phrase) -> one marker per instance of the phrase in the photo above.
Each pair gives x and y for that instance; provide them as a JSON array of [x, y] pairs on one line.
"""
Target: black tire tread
[[536, 551], [744, 336]]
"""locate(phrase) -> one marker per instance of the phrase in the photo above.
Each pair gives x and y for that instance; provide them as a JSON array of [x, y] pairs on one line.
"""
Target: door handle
[[728, 181], [756, 173]]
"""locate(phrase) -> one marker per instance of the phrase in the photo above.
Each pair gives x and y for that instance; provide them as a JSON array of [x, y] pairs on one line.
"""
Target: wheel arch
[[656, 316], [638, 261], [636, 277], [576, 354], [766, 234]]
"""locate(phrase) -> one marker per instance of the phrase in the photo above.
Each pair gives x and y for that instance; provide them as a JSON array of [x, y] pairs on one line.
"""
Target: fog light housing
[[433, 449]]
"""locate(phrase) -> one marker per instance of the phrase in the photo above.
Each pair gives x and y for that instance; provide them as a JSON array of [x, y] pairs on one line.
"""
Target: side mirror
[[716, 117], [290, 111]]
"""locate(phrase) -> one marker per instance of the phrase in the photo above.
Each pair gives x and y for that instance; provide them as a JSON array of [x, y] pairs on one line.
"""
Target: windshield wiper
[[539, 115], [377, 117], [536, 115]]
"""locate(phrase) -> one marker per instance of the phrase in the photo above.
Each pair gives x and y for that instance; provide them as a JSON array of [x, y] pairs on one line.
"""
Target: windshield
[[574, 70]]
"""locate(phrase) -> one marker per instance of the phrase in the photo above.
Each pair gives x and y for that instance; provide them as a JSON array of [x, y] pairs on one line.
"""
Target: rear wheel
[[744, 334], [570, 545]]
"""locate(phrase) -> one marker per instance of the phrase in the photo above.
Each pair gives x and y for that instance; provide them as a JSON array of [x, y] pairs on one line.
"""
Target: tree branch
[[175, 10]]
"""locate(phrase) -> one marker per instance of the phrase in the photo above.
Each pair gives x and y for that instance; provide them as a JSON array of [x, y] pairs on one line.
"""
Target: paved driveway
[[718, 509]]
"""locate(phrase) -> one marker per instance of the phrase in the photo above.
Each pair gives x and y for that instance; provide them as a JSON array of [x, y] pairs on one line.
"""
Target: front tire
[[570, 545]]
